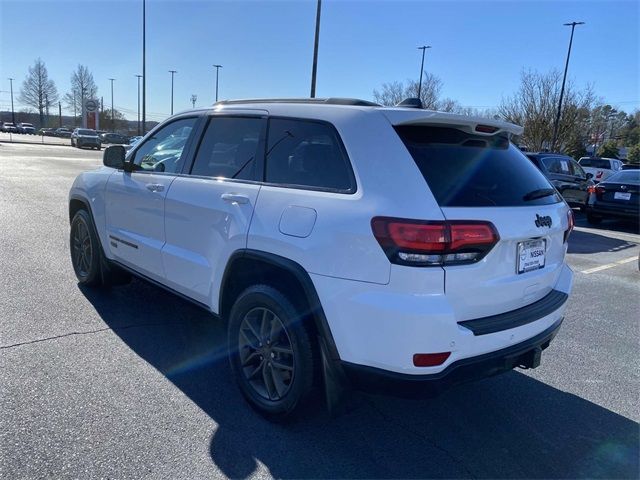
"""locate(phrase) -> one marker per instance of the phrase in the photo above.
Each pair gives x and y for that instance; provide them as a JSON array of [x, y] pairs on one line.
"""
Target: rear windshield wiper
[[539, 193]]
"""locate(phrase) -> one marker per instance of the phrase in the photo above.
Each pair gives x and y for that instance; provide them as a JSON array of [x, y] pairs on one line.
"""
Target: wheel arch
[[248, 267]]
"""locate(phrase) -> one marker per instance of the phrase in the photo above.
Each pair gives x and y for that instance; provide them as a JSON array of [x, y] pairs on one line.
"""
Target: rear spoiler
[[469, 124]]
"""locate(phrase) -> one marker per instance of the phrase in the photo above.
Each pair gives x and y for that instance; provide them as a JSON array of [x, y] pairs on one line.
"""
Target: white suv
[[344, 243]]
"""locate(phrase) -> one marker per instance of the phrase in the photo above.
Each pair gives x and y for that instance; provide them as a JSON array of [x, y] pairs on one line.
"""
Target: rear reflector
[[422, 243], [430, 359], [571, 223]]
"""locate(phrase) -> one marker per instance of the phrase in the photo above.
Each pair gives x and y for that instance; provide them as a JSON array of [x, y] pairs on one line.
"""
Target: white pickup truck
[[600, 168]]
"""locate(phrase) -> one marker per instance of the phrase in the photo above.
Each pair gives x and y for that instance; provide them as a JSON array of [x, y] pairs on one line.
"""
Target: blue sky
[[265, 47]]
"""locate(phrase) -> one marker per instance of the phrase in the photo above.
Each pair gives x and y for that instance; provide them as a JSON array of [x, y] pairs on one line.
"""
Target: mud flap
[[336, 386]]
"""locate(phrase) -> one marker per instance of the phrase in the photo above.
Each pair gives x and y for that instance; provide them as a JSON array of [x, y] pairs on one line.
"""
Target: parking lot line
[[609, 265]]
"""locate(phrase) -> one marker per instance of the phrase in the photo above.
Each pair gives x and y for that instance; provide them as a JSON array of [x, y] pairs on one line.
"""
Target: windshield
[[87, 132], [466, 170]]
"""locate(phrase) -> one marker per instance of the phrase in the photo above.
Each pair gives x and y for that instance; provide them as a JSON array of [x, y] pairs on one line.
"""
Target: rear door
[[485, 178], [208, 210]]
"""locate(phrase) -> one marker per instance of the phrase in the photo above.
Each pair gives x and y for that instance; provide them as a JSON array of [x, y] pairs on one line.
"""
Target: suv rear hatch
[[477, 175]]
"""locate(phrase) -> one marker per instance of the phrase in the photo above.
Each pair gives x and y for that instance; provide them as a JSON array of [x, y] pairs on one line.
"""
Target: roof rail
[[326, 101]]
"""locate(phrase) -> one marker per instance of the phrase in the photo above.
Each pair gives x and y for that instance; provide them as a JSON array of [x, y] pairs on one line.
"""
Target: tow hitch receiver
[[530, 359]]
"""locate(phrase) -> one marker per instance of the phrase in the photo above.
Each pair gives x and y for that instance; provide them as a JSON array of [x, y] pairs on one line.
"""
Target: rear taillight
[[571, 223], [423, 243], [599, 191], [591, 189]]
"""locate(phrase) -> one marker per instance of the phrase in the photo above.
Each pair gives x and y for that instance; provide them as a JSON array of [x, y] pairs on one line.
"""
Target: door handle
[[155, 187], [234, 198]]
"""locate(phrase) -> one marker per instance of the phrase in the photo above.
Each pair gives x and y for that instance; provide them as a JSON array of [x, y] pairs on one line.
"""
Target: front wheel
[[270, 351], [85, 250]]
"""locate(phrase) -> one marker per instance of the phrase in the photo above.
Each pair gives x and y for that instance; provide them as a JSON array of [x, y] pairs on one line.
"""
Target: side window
[[307, 154], [554, 165], [229, 148], [164, 151], [577, 169], [585, 162]]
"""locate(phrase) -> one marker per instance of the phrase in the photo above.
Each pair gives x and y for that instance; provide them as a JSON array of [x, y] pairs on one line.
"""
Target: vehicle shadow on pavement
[[587, 242], [510, 426]]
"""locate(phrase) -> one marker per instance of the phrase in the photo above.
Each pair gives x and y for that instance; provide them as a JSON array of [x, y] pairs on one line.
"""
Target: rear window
[[625, 176], [595, 163], [466, 170]]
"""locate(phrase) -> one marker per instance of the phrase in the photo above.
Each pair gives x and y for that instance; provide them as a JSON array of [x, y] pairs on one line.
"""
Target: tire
[[100, 271], [264, 326], [86, 256], [593, 219]]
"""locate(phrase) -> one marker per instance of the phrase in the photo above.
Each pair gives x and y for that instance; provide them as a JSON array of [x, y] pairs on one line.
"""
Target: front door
[[135, 199]]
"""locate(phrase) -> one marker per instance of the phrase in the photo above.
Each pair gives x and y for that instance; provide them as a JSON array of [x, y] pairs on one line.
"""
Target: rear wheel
[[270, 351]]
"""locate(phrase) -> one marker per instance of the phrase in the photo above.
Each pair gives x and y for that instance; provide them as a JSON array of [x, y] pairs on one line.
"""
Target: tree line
[[39, 92], [585, 119]]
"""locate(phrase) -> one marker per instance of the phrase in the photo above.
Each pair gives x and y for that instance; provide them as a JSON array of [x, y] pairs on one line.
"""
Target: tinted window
[[163, 152], [465, 170], [577, 169], [229, 148], [595, 163], [558, 165], [308, 154], [625, 176]]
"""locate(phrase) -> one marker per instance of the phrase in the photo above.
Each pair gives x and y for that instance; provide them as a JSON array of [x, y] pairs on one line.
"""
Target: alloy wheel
[[82, 248]]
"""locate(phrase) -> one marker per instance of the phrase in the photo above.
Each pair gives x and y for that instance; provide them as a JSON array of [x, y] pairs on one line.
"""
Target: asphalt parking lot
[[134, 383]]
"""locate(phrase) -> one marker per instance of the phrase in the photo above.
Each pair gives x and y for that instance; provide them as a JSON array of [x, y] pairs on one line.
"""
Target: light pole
[[423, 48], [172, 72], [314, 68], [564, 79], [13, 113], [144, 69], [194, 97], [112, 122], [218, 67], [139, 77]]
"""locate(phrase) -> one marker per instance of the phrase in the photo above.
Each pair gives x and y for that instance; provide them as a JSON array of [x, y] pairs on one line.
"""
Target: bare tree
[[534, 105], [83, 87], [394, 92], [38, 91]]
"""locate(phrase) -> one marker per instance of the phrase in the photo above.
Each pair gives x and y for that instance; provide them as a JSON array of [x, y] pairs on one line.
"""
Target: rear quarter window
[[467, 170]]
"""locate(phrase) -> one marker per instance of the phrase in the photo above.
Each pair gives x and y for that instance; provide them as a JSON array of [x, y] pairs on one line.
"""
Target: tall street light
[[112, 123], [13, 113], [217, 67], [314, 68], [172, 72], [564, 79], [144, 69], [423, 48], [139, 77]]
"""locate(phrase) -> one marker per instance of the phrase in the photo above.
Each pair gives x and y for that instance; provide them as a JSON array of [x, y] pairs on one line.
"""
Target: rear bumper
[[619, 211], [525, 355]]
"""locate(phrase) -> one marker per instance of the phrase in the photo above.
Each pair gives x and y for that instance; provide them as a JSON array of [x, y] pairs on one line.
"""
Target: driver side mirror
[[114, 156], [589, 176]]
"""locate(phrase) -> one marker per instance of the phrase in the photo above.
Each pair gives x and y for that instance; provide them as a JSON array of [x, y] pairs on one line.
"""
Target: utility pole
[[194, 97], [172, 72], [59, 114], [13, 113], [46, 106], [144, 69], [218, 67], [139, 77], [564, 79], [112, 120], [423, 48], [314, 68], [75, 111]]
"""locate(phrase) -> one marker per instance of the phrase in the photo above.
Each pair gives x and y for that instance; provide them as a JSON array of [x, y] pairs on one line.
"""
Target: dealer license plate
[[531, 255], [622, 196]]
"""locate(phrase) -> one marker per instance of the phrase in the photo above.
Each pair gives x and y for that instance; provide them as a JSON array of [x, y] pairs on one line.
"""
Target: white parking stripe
[[609, 265]]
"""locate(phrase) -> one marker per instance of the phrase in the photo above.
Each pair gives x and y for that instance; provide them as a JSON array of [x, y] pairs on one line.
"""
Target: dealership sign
[[90, 114]]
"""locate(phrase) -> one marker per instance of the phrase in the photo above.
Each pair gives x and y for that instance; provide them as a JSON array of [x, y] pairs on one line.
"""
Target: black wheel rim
[[82, 249], [266, 354]]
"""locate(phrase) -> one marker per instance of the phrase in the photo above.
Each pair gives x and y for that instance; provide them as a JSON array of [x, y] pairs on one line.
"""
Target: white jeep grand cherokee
[[344, 243]]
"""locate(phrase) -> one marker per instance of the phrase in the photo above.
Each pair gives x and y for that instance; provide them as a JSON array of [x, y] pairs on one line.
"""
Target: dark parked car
[[630, 166], [114, 138], [566, 175], [63, 132], [615, 197]]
